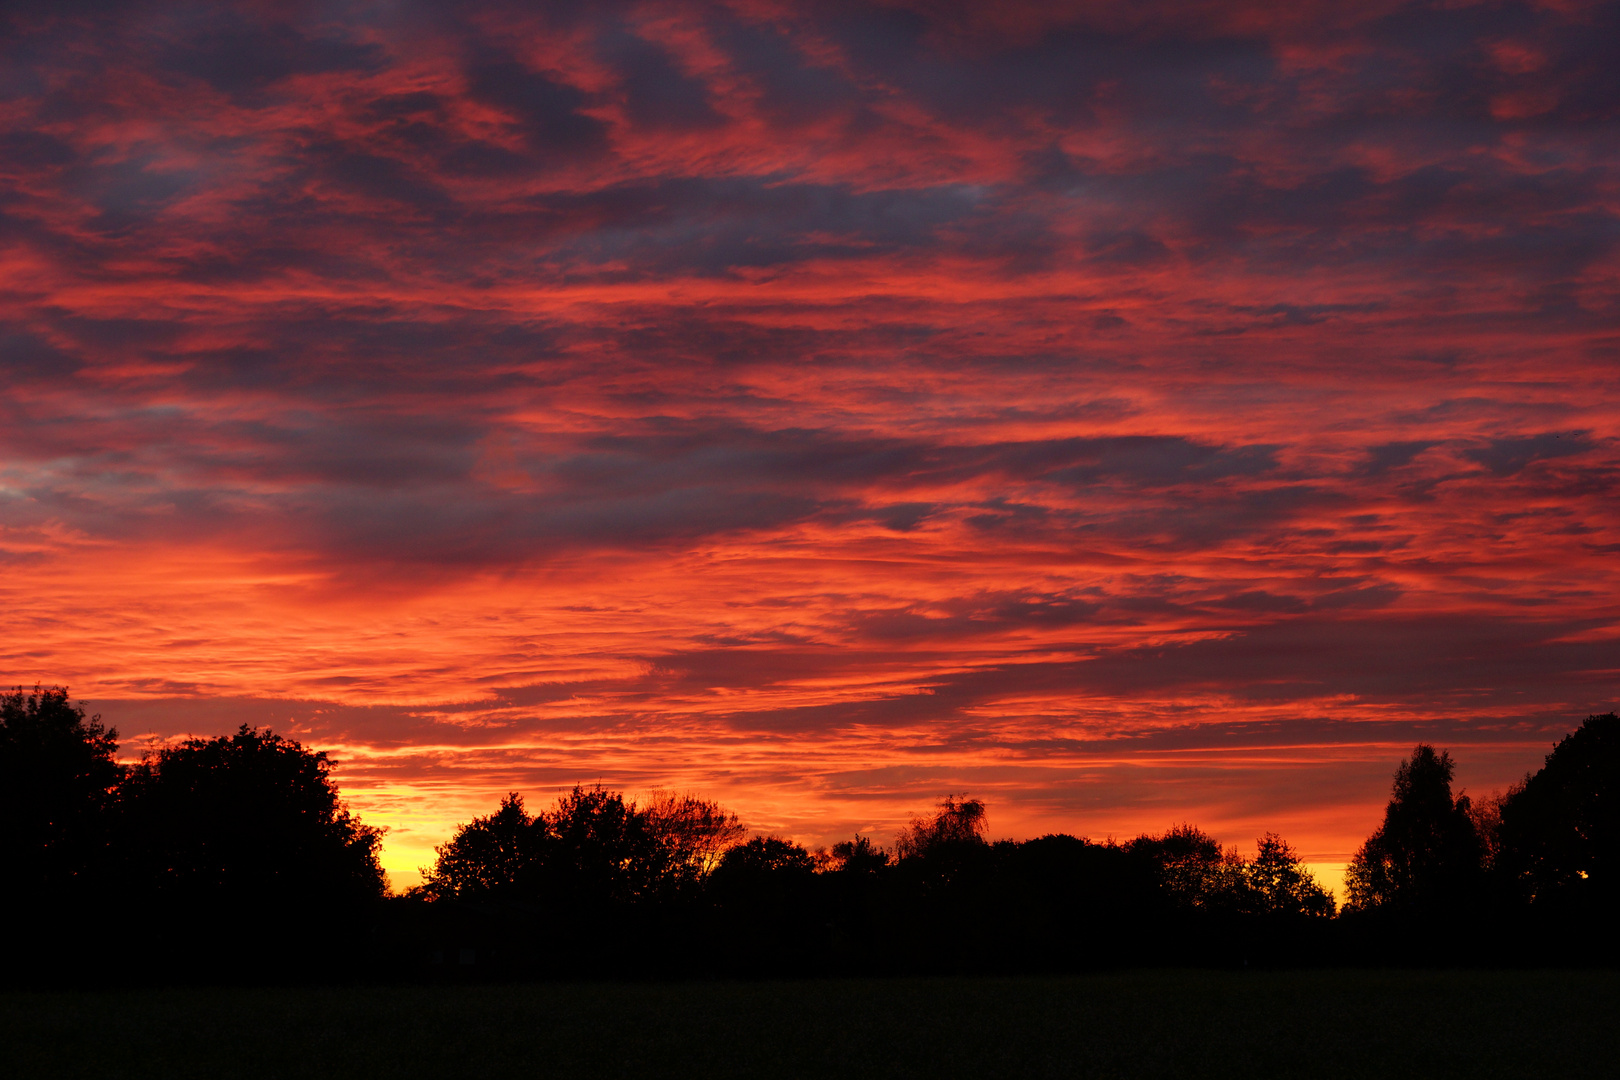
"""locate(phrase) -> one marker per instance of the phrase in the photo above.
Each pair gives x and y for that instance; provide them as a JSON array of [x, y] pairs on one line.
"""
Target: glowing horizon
[[1126, 414]]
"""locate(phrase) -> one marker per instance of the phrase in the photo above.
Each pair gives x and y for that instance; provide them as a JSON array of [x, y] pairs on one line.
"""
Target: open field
[[1320, 1024]]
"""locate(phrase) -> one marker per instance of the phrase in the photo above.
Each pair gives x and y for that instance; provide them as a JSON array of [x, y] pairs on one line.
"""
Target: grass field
[[1316, 1024]]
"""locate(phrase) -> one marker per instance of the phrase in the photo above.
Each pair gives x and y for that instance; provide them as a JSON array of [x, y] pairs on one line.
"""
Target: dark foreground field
[[1172, 1024]]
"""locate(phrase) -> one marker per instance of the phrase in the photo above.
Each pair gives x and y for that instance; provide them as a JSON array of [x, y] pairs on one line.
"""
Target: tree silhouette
[[490, 855], [764, 856], [596, 848], [1282, 885], [246, 823], [767, 871], [1426, 855], [858, 856], [1486, 814], [695, 832], [765, 899], [57, 786], [592, 848], [957, 822], [1560, 830], [1195, 871]]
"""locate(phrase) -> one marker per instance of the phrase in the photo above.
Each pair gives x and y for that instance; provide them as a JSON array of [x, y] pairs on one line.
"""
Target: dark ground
[[1320, 1024]]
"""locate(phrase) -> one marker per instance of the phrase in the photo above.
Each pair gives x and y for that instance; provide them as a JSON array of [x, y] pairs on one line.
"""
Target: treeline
[[234, 857], [207, 857], [598, 882]]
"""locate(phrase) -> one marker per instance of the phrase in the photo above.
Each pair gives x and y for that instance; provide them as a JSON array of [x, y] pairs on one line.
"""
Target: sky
[[1125, 413]]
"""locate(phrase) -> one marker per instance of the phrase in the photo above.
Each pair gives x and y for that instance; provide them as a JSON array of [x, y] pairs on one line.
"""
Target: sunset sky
[[1124, 413]]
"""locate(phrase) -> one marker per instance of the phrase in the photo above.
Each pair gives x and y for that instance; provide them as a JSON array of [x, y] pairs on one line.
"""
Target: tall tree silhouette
[[249, 823], [57, 785], [1559, 831], [1426, 856]]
